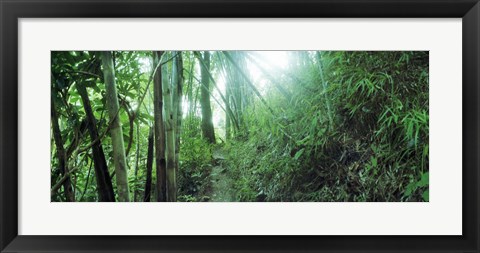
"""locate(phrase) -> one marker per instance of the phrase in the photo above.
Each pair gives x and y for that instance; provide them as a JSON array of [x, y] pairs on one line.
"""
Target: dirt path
[[221, 183]]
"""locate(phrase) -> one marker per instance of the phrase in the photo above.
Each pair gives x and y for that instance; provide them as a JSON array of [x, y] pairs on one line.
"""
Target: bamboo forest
[[239, 126]]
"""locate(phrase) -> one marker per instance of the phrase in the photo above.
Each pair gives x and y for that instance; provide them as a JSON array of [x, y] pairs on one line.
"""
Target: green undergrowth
[[374, 149], [194, 179]]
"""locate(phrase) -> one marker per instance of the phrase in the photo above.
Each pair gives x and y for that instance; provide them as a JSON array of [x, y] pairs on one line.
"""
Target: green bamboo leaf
[[426, 196], [298, 154]]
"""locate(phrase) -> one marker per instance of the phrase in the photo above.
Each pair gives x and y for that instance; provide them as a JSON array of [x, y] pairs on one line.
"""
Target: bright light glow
[[257, 62], [276, 59], [271, 62], [218, 115]]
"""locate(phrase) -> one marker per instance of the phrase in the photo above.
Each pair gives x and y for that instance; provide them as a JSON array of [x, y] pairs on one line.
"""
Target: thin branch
[[60, 182], [99, 138], [66, 175], [280, 88], [85, 73], [227, 55], [150, 79], [209, 92], [229, 110], [131, 119], [86, 183]]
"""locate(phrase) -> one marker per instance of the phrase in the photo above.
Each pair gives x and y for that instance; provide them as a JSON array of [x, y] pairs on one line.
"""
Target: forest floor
[[222, 185]]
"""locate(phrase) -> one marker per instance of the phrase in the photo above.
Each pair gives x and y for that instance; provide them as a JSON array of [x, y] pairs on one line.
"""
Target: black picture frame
[[11, 11]]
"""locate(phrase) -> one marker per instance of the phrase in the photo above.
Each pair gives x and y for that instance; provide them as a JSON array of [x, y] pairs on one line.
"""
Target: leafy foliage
[[375, 150], [330, 126]]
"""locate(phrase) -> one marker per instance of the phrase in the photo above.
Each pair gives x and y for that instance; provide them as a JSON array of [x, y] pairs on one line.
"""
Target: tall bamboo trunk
[[178, 64], [116, 132], [225, 107], [190, 87], [104, 183], [227, 115], [137, 159], [159, 131], [169, 135], [148, 181], [61, 155], [207, 123], [245, 78], [237, 91]]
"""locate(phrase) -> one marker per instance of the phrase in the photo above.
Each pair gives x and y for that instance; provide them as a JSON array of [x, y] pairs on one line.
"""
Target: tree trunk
[[237, 85], [137, 159], [148, 182], [207, 123], [190, 86], [228, 93], [169, 135], [104, 183], [247, 80], [116, 132], [225, 107], [229, 100], [61, 155], [159, 130], [178, 63]]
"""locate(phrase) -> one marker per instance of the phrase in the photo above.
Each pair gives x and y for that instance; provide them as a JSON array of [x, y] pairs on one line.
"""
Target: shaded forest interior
[[216, 126]]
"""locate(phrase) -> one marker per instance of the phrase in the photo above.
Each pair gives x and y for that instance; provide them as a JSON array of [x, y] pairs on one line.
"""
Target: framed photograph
[[257, 126]]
